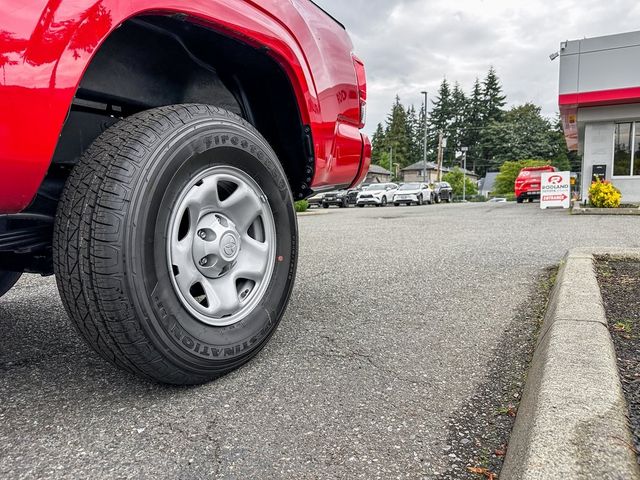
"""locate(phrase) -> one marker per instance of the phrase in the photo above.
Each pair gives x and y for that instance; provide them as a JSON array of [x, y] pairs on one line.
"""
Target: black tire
[[419, 200], [360, 205], [8, 280], [110, 253], [325, 205], [396, 204], [520, 200], [384, 202]]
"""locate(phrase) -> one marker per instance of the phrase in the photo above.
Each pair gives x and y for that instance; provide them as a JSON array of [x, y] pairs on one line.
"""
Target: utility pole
[[464, 173], [440, 155], [424, 158]]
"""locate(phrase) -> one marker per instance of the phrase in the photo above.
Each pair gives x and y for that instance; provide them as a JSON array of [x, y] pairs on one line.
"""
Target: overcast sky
[[410, 45]]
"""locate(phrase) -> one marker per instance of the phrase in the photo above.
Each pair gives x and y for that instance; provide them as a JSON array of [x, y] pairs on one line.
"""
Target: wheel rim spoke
[[187, 277], [181, 254], [253, 260], [222, 295], [243, 206]]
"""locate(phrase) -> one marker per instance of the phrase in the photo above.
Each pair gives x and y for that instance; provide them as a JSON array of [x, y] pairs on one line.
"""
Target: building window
[[626, 151], [622, 150]]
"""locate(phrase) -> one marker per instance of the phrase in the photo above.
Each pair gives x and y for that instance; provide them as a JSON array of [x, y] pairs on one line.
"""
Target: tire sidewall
[[187, 153]]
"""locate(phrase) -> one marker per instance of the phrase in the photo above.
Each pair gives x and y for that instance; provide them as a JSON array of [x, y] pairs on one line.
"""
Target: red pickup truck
[[150, 155]]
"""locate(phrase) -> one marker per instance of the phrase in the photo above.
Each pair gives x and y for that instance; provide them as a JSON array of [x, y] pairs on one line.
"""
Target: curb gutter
[[572, 421]]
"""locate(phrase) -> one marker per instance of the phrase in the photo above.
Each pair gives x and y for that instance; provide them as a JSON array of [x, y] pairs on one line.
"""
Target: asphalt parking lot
[[391, 329]]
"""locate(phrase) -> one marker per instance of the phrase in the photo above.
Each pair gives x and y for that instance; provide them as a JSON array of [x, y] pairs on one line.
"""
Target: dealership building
[[600, 108]]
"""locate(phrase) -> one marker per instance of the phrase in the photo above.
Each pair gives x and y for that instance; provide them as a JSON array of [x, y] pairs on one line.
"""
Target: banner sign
[[555, 190]]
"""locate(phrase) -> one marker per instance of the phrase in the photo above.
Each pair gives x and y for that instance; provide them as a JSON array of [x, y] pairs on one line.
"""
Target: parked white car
[[378, 194], [418, 193]]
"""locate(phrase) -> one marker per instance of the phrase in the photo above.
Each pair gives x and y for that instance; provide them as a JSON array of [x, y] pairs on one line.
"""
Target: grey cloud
[[410, 45]]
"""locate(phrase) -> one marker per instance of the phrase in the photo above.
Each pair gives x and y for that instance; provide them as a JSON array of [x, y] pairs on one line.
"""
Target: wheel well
[[156, 60], [151, 61]]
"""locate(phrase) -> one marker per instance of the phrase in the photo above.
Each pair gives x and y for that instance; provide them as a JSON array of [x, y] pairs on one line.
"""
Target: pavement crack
[[348, 353]]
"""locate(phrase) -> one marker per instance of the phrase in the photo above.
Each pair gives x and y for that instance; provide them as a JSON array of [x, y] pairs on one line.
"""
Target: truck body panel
[[47, 45]]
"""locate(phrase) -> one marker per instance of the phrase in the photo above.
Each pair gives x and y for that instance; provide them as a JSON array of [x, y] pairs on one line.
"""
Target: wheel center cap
[[216, 245], [229, 246]]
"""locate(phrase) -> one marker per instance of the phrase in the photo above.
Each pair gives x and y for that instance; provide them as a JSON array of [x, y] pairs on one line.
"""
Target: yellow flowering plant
[[602, 194]]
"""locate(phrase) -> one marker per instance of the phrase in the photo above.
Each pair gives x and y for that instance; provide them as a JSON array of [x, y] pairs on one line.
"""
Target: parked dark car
[[316, 200], [340, 198], [442, 192], [352, 195]]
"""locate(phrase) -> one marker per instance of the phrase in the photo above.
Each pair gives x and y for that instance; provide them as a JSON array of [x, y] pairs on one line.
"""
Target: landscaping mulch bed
[[620, 285]]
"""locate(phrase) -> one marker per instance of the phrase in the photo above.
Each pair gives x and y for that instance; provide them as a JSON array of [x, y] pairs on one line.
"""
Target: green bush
[[455, 179], [509, 171], [301, 206]]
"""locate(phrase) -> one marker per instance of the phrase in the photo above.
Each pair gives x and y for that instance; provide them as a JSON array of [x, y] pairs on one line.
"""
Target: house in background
[[377, 174], [600, 108], [486, 184], [415, 173]]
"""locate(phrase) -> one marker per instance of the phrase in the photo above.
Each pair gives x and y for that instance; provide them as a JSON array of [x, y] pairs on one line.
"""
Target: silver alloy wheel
[[221, 245]]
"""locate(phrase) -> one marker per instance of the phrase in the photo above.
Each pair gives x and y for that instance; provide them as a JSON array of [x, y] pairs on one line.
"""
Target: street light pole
[[424, 158], [390, 162], [464, 173]]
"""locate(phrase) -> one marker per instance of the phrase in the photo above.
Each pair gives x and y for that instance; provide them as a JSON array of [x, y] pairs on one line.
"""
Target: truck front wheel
[[175, 244]]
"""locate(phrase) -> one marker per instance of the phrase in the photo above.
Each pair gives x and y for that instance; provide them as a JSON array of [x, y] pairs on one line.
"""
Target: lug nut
[[203, 262], [202, 234]]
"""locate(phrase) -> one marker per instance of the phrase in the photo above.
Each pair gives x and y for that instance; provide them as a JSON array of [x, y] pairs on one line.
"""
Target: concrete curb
[[604, 211], [572, 421]]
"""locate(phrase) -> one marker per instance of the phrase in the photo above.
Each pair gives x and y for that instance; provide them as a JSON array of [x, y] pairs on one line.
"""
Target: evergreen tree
[[459, 110], [441, 116], [415, 142], [477, 121], [474, 125], [493, 102], [492, 97], [419, 137], [398, 134], [378, 144]]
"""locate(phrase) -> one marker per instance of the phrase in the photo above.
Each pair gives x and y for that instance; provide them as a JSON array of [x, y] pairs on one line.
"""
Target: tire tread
[[90, 270]]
